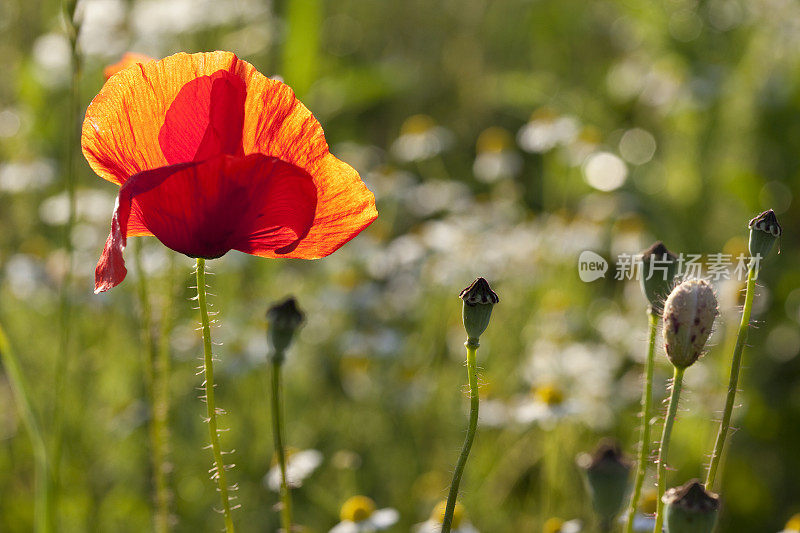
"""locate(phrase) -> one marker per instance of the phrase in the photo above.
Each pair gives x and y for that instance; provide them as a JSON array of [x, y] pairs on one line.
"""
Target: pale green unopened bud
[[284, 319], [764, 231], [690, 509], [688, 319], [479, 299], [659, 268], [607, 476]]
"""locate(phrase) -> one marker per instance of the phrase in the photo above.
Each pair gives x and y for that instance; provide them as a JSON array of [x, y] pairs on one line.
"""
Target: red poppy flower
[[212, 156]]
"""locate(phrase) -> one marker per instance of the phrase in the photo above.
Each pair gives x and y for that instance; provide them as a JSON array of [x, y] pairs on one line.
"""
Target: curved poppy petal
[[204, 209], [120, 135], [205, 119], [278, 124]]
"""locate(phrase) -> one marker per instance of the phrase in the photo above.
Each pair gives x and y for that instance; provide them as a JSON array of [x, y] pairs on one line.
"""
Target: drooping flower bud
[[479, 299], [284, 319], [659, 268], [688, 318], [607, 475], [690, 509], [764, 231]]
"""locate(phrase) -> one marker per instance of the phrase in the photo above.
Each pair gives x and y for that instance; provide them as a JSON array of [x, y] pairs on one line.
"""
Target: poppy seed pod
[[284, 319], [690, 509], [689, 315], [479, 299], [607, 475], [659, 268], [764, 231]]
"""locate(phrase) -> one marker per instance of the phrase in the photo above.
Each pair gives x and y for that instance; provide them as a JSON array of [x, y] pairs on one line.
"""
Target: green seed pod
[[284, 319], [764, 231], [688, 318], [479, 299], [690, 509], [659, 268], [607, 476]]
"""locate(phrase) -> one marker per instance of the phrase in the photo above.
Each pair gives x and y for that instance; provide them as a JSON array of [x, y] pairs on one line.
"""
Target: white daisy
[[359, 515], [556, 525], [299, 465]]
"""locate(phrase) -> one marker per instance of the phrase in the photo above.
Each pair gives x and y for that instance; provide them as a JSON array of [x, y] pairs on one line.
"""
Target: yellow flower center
[[494, 139], [649, 503], [550, 395], [544, 114], [417, 124], [793, 524], [357, 509], [552, 525], [438, 513]]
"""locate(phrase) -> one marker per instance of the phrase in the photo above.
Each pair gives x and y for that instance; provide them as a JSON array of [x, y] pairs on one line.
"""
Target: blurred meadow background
[[500, 139]]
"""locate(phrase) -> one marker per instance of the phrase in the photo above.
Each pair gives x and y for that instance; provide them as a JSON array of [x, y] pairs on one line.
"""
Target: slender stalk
[[278, 431], [647, 409], [61, 376], [672, 410], [42, 522], [152, 374], [736, 363], [218, 471], [472, 376]]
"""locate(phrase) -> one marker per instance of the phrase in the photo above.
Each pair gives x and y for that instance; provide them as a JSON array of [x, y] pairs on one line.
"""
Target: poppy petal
[[278, 124], [205, 119], [204, 209], [120, 135], [128, 59]]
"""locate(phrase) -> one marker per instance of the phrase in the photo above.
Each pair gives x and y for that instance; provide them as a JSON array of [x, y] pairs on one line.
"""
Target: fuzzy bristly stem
[[42, 518], [733, 383], [647, 408], [278, 433], [672, 410], [154, 376], [472, 376], [218, 471]]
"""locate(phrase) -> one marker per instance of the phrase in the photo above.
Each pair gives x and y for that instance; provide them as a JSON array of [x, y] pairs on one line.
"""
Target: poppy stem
[[43, 485], [154, 373], [278, 431], [472, 377], [647, 408], [736, 363], [672, 410], [211, 409]]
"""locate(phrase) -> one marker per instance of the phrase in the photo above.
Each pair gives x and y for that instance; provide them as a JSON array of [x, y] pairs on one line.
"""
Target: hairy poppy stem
[[211, 409], [736, 363], [647, 408], [278, 432], [42, 522], [472, 376], [155, 378], [672, 410]]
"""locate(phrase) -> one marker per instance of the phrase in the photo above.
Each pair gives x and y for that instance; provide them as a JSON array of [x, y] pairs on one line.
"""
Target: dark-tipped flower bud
[[659, 268], [690, 509], [607, 476], [688, 318], [479, 299], [764, 231], [284, 319]]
